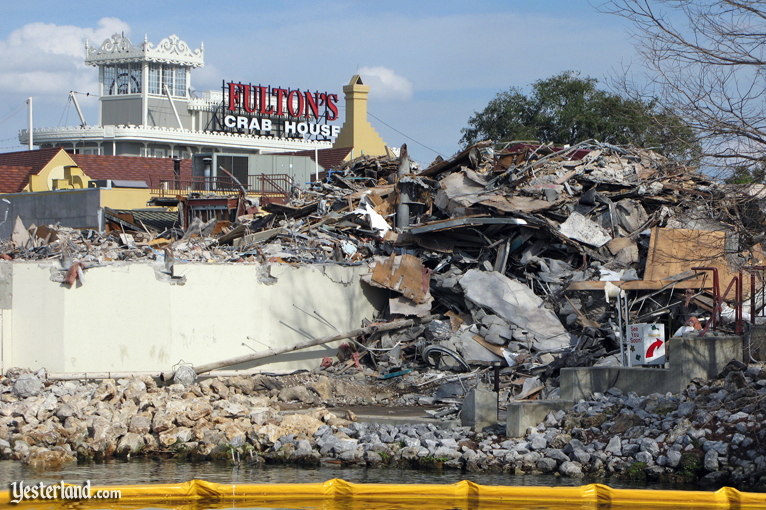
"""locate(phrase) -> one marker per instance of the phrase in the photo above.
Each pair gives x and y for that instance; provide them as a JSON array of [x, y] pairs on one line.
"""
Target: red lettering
[[234, 95], [293, 103], [263, 102], [332, 105], [312, 106], [295, 108], [280, 100], [248, 99]]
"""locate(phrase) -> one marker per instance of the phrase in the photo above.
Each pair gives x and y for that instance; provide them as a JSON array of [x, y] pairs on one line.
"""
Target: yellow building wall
[[357, 132], [126, 198], [61, 172]]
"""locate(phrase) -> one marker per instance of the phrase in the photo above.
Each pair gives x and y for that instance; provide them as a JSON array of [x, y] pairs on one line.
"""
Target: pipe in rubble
[[403, 208], [248, 358]]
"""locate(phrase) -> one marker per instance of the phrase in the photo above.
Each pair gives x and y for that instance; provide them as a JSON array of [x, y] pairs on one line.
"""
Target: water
[[166, 471], [140, 471]]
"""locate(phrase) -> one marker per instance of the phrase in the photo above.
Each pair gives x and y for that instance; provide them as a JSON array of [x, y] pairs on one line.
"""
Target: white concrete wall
[[125, 318]]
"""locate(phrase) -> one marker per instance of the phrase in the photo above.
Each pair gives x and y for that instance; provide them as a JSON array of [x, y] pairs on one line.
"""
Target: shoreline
[[711, 435]]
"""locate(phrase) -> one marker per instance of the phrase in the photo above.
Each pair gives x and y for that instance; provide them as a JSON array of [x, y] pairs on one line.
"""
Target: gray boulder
[[27, 385]]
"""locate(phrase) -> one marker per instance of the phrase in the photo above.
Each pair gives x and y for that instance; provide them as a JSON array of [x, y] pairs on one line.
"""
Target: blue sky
[[431, 64]]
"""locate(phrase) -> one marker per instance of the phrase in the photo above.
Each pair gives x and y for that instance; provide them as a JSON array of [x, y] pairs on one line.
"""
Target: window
[[136, 73], [180, 82], [154, 79], [173, 77], [122, 79], [167, 79], [108, 79]]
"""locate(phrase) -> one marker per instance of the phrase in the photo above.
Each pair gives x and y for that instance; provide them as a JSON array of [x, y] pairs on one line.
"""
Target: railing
[[270, 183], [272, 188], [202, 185]]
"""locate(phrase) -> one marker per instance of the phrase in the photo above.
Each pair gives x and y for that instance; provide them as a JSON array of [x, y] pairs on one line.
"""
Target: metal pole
[[403, 208], [173, 106], [622, 331], [248, 358], [29, 123], [626, 317], [77, 107], [316, 162]]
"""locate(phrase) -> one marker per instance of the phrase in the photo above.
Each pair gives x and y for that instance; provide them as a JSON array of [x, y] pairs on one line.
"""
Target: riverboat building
[[147, 108]]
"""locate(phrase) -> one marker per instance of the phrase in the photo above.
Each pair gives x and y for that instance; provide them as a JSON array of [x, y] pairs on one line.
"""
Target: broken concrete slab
[[497, 334], [470, 350], [518, 305], [631, 215], [400, 305], [479, 409], [524, 414], [20, 236], [457, 192], [580, 228]]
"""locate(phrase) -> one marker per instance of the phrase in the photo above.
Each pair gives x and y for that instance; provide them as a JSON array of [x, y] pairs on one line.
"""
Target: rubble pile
[[494, 239]]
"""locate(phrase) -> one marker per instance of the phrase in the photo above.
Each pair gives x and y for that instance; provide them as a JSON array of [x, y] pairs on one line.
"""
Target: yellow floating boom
[[339, 494]]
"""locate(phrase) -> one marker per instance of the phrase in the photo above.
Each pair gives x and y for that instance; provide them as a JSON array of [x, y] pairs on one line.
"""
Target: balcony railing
[[272, 188], [270, 183]]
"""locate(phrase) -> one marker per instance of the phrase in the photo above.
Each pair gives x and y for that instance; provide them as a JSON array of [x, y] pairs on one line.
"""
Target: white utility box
[[646, 344]]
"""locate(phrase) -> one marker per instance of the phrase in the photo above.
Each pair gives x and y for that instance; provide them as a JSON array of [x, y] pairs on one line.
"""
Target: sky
[[430, 64]]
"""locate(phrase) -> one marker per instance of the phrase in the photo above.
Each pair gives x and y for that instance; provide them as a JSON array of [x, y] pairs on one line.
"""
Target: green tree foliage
[[747, 174], [567, 109]]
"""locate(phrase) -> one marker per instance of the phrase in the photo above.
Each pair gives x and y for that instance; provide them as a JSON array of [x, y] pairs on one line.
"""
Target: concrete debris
[[580, 228], [509, 245], [518, 306], [27, 385]]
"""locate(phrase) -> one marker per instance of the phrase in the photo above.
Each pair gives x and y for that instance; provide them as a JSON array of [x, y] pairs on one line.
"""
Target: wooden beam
[[642, 285]]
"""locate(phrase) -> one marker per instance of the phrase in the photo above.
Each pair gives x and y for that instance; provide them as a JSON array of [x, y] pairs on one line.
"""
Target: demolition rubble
[[515, 252], [511, 260]]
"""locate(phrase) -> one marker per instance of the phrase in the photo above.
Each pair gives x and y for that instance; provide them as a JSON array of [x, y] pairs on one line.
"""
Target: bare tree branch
[[705, 60]]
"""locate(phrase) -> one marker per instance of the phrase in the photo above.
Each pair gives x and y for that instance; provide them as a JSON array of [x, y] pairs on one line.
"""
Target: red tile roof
[[130, 168], [14, 178], [16, 167], [328, 158]]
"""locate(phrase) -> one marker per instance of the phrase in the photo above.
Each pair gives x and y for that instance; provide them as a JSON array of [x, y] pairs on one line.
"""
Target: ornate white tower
[[144, 85], [146, 108]]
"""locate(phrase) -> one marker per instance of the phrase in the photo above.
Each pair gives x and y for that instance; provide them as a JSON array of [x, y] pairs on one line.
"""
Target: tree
[[746, 174], [705, 60], [566, 109]]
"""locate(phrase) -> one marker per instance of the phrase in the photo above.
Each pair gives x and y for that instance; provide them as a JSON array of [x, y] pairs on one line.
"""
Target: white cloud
[[386, 84], [47, 59]]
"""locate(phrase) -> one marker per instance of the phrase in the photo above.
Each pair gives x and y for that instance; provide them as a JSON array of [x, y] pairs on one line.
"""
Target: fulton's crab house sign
[[282, 112]]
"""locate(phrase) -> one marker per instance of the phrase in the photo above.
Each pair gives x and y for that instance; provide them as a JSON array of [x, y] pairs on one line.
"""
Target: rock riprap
[[712, 433]]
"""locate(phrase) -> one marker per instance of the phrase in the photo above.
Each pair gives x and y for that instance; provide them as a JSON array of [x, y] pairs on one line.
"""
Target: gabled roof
[[16, 167], [14, 178], [328, 158], [131, 168]]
